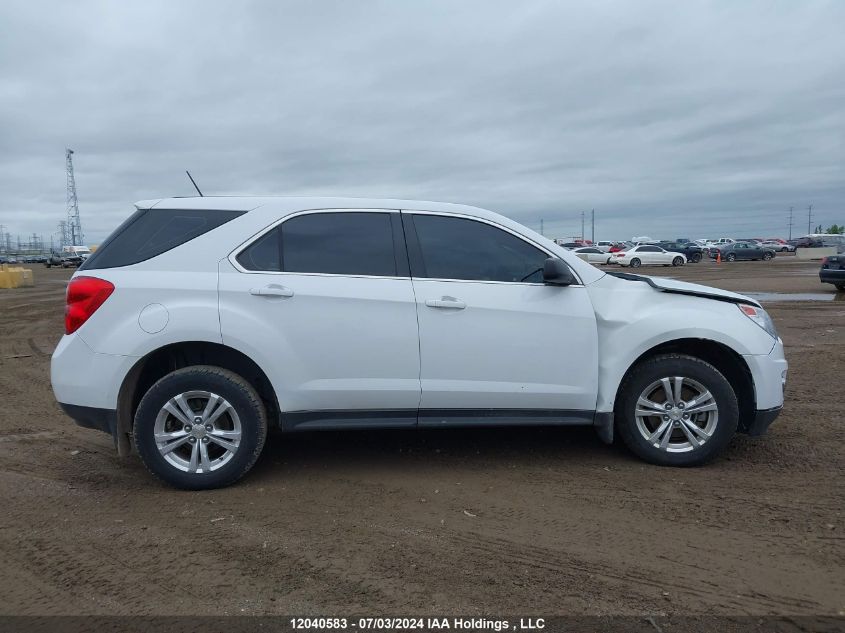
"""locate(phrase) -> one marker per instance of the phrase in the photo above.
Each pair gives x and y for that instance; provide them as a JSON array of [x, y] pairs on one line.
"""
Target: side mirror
[[557, 273]]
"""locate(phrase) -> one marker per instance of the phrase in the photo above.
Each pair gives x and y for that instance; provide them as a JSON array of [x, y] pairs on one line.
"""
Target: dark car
[[742, 250], [805, 242], [63, 261], [833, 271], [693, 252]]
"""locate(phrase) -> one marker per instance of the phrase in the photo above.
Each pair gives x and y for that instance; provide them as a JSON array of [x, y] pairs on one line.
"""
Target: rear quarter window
[[151, 232]]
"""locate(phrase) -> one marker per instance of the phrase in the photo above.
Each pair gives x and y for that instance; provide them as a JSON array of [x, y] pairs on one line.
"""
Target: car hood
[[673, 286]]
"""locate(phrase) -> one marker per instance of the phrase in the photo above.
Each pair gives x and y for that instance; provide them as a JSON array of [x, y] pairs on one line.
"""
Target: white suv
[[202, 322]]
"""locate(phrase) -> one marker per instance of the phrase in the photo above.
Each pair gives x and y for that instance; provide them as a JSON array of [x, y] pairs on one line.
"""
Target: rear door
[[325, 298], [496, 343], [649, 254]]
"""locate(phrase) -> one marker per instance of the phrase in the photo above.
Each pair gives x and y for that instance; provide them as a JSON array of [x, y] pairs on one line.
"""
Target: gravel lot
[[531, 521]]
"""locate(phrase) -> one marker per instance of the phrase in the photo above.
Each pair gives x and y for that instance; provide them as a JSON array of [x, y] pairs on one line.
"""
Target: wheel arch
[[163, 360], [731, 365]]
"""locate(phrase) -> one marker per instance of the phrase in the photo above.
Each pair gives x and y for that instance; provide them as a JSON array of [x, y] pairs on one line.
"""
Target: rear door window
[[343, 243], [151, 232]]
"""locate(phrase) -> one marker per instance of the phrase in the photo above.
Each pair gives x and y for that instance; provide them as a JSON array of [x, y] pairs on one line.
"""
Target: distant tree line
[[833, 229]]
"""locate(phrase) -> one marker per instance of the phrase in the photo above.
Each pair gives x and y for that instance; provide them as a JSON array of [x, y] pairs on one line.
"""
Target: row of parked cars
[[21, 259], [669, 253], [53, 260]]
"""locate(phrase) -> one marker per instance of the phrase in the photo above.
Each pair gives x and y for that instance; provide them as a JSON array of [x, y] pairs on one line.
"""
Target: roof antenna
[[193, 183]]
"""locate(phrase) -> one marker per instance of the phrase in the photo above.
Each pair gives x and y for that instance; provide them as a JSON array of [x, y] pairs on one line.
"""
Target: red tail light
[[84, 296]]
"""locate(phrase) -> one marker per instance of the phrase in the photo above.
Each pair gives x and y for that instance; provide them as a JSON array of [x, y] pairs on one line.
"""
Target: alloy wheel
[[197, 431], [676, 414]]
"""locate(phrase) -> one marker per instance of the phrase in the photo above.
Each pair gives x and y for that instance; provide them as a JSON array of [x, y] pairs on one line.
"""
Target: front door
[[324, 299], [497, 345]]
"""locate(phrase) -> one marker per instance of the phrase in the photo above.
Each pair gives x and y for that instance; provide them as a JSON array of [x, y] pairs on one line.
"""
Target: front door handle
[[271, 290], [449, 303]]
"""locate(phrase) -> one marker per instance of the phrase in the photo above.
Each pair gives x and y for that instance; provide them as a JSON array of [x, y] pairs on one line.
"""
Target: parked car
[[636, 256], [693, 252], [592, 254], [742, 251], [604, 245], [778, 247], [833, 271], [620, 246], [202, 322], [63, 260], [806, 242]]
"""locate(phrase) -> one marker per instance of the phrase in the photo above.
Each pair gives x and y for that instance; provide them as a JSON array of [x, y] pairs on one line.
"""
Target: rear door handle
[[271, 290], [449, 303]]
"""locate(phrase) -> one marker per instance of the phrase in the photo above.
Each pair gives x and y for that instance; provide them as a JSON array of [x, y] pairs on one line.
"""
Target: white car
[[200, 323], [604, 245], [592, 254], [780, 247], [637, 256]]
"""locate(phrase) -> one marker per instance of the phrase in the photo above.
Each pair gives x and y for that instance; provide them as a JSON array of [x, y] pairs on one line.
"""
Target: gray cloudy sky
[[669, 118]]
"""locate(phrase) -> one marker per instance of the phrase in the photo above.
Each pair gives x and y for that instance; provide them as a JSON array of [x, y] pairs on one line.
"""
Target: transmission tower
[[74, 234]]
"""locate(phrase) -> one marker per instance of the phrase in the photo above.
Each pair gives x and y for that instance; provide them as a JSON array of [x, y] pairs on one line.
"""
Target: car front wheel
[[200, 427], [767, 256], [678, 261], [676, 410], [731, 257]]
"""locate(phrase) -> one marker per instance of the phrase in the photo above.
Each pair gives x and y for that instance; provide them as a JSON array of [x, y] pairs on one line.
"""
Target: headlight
[[760, 317]]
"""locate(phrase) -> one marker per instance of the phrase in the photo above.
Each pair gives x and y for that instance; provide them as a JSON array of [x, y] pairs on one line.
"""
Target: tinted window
[[332, 243], [649, 249], [455, 248], [265, 253], [151, 232]]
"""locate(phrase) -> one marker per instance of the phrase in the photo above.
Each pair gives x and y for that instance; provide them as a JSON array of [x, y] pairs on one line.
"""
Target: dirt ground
[[529, 521]]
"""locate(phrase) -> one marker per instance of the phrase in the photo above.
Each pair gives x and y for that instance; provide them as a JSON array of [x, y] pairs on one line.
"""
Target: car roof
[[265, 209], [301, 203]]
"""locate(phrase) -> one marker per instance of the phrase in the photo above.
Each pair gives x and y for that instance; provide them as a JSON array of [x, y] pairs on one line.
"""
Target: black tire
[[840, 287], [678, 261], [653, 369], [767, 256], [635, 263], [695, 258], [237, 391], [730, 257]]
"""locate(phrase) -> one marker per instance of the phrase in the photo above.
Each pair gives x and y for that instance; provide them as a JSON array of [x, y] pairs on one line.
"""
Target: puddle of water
[[797, 296]]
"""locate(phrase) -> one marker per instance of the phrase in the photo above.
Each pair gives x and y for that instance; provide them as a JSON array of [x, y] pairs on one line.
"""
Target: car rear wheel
[[731, 257], [767, 256], [696, 257], [200, 427], [678, 261], [635, 263], [676, 410]]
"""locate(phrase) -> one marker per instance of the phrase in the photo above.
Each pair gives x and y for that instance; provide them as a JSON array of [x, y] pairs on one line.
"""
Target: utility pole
[[541, 227], [809, 219], [790, 222], [582, 226], [593, 226]]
